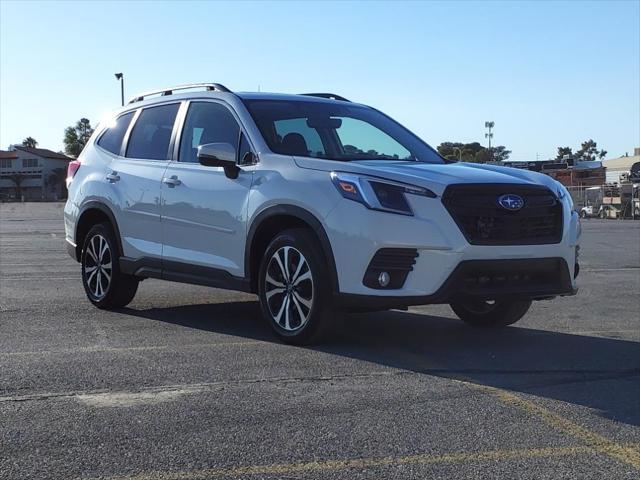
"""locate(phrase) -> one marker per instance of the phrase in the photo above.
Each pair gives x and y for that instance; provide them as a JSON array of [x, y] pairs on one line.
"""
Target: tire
[[105, 285], [601, 215], [293, 288], [583, 214], [481, 313]]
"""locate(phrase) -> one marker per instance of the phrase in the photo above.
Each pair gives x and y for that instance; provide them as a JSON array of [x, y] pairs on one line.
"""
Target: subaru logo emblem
[[511, 202]]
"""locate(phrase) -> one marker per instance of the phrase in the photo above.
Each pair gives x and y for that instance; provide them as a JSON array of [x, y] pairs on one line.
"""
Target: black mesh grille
[[475, 209], [397, 262]]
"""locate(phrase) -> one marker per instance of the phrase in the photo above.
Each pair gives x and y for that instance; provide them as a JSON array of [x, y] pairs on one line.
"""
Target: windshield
[[336, 132]]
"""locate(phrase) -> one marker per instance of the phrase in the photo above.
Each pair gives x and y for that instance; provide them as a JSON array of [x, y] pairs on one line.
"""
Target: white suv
[[314, 203]]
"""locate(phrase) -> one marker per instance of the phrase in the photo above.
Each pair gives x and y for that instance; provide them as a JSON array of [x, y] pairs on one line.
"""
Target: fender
[[305, 216], [94, 205]]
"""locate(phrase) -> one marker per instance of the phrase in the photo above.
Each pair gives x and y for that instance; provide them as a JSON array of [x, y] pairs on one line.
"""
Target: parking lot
[[188, 382]]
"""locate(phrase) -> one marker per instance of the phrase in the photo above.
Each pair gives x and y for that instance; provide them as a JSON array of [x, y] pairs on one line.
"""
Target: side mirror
[[219, 155]]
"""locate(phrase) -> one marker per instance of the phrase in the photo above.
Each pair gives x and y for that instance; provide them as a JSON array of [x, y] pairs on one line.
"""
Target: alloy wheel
[[97, 266], [289, 288]]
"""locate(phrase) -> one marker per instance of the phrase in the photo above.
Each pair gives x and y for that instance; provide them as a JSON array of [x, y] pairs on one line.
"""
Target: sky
[[547, 73]]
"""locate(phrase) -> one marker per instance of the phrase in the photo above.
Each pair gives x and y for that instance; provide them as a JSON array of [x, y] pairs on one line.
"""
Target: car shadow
[[594, 372]]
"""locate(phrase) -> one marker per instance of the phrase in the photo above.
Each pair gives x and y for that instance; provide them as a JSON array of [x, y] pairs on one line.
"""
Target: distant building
[[619, 169], [32, 174], [567, 171]]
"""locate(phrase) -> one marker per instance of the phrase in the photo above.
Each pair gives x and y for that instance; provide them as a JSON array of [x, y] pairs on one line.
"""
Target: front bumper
[[527, 279], [357, 233]]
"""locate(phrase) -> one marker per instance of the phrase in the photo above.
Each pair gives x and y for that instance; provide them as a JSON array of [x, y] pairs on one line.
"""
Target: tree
[[500, 153], [76, 137], [465, 152], [30, 142], [562, 151], [589, 152], [472, 152], [17, 179]]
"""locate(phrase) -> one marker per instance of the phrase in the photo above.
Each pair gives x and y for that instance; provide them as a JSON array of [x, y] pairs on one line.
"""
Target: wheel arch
[[276, 219], [92, 213]]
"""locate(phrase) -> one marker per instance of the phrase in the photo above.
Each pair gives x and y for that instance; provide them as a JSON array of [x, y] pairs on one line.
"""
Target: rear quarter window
[[112, 137]]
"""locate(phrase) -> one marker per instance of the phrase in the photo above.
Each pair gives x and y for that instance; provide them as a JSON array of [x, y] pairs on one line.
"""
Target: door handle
[[113, 177], [171, 181]]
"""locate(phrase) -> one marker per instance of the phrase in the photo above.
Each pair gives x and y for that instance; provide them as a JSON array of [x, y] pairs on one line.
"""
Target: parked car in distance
[[314, 203]]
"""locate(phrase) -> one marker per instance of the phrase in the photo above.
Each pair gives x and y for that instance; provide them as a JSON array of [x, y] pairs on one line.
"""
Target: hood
[[435, 177]]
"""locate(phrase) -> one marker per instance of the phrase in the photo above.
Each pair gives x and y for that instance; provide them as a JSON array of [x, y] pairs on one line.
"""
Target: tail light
[[72, 169]]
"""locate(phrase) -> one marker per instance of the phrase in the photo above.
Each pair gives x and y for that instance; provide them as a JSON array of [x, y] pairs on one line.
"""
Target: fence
[[624, 198]]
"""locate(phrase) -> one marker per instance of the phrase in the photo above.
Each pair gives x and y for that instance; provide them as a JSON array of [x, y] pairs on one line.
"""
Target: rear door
[[138, 175], [204, 213]]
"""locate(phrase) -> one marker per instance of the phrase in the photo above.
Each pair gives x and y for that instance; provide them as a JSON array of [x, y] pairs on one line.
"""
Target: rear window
[[111, 139], [151, 133]]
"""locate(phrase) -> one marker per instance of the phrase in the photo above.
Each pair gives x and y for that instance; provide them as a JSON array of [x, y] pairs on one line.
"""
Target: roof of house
[[43, 152], [621, 163], [5, 154]]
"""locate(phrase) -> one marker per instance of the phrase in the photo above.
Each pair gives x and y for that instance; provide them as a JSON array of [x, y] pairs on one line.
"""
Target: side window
[[295, 130], [151, 133], [207, 122], [111, 139]]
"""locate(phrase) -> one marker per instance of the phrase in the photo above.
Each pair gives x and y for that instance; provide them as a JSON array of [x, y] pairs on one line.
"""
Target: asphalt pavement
[[188, 382]]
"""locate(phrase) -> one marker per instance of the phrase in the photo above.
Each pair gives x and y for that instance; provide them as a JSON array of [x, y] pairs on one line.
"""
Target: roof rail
[[169, 91], [331, 96]]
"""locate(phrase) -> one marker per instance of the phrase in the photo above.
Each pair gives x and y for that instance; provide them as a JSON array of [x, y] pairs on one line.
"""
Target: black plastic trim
[[148, 267], [95, 205], [72, 250], [452, 288], [305, 216], [397, 262]]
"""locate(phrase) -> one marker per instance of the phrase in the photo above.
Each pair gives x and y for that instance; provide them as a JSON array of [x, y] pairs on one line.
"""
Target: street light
[[489, 135], [120, 76]]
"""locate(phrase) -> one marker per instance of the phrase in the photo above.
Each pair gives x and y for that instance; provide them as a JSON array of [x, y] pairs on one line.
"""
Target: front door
[[204, 213]]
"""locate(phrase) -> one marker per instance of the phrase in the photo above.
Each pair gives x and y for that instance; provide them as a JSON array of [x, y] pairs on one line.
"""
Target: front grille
[[475, 209], [397, 262]]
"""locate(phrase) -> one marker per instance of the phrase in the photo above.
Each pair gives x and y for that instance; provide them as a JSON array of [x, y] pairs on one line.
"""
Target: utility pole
[[120, 76]]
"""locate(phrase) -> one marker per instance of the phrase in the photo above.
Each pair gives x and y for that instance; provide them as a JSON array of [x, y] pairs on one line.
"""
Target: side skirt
[[146, 267]]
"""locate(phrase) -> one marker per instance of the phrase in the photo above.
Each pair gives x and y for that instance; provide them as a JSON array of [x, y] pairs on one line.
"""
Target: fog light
[[384, 278]]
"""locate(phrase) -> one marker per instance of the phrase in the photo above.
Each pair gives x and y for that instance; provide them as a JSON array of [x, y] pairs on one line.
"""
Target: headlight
[[377, 193], [564, 195]]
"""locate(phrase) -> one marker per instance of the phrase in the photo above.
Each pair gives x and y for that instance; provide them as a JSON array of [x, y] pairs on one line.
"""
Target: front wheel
[[293, 287], [488, 313]]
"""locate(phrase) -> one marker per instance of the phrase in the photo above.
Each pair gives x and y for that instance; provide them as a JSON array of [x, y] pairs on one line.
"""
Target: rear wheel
[[583, 214], [294, 288], [105, 285], [488, 313]]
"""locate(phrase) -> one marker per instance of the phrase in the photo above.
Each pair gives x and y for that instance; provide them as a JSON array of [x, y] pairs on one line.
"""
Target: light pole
[[120, 76], [489, 135]]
